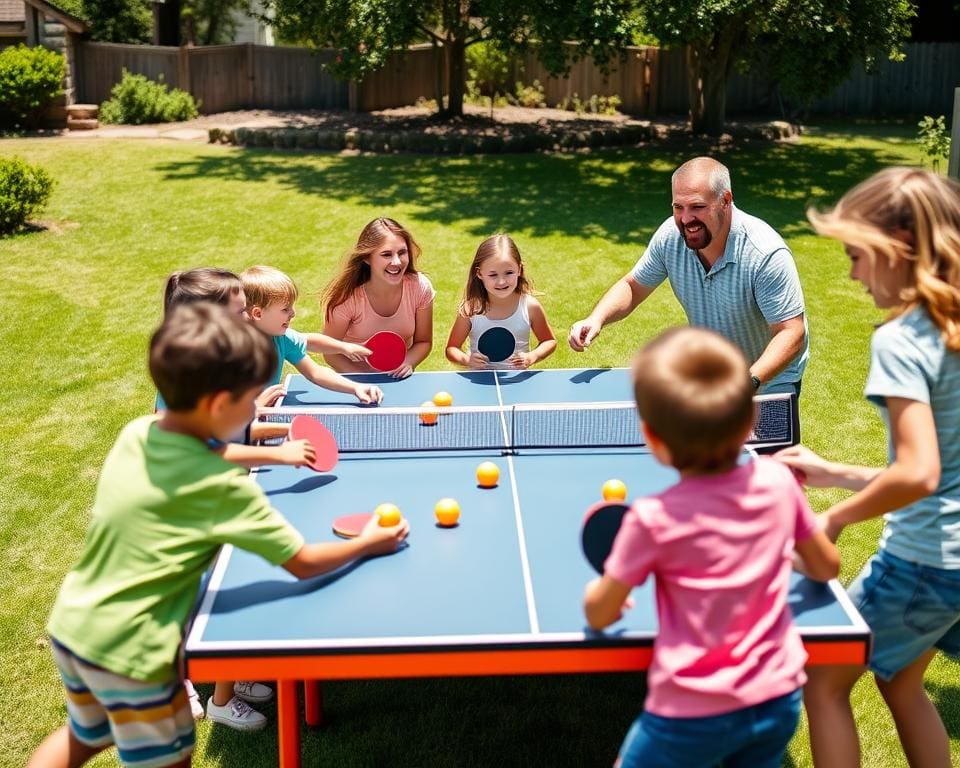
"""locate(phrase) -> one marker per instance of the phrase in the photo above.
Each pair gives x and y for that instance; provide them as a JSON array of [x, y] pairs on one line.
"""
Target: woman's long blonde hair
[[912, 215], [475, 297], [355, 270]]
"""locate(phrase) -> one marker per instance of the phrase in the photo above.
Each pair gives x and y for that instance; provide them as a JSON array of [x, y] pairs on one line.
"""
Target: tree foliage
[[366, 32], [211, 22], [119, 21], [805, 46]]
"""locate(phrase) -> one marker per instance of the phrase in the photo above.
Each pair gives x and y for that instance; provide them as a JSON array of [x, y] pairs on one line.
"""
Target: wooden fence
[[649, 81], [221, 77]]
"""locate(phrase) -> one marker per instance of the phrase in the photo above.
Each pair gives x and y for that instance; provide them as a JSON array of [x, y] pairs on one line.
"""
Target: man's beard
[[704, 237]]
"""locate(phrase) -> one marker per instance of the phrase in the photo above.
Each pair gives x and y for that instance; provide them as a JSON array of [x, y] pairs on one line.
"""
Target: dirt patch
[[479, 121], [506, 129], [418, 129]]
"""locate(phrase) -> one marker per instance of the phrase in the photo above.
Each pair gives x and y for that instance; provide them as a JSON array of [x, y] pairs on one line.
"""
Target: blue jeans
[[753, 737]]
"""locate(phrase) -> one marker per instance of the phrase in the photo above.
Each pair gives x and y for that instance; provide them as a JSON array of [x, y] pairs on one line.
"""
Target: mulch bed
[[510, 129]]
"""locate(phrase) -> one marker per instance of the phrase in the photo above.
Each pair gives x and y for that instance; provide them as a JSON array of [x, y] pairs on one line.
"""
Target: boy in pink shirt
[[724, 683]]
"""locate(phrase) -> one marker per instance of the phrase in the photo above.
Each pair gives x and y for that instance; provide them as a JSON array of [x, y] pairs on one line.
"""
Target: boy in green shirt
[[164, 504]]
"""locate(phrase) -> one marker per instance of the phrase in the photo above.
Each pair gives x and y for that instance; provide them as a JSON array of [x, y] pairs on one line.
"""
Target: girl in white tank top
[[498, 295]]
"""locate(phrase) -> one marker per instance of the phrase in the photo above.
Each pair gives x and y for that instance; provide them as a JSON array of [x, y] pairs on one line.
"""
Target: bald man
[[730, 271]]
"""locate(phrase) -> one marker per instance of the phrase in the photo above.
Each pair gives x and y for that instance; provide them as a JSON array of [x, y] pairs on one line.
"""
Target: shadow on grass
[[563, 720], [946, 697], [620, 195]]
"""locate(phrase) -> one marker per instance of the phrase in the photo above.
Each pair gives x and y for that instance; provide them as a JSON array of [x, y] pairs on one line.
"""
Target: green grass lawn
[[81, 298]]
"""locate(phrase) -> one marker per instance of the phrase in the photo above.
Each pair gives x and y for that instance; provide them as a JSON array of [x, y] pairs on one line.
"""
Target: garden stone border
[[463, 141]]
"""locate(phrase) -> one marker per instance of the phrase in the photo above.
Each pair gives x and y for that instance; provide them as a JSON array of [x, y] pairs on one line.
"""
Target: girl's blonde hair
[[475, 297], [201, 284], [355, 270], [912, 215]]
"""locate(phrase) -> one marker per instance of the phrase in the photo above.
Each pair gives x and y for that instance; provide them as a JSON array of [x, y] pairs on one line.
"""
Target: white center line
[[521, 536]]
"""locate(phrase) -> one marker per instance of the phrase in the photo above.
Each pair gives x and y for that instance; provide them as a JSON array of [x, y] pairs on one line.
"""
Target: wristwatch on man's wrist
[[755, 381]]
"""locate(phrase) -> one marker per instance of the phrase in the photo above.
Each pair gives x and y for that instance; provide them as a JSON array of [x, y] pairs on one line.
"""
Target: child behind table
[[220, 286], [271, 295], [724, 684], [379, 289], [498, 295], [164, 505]]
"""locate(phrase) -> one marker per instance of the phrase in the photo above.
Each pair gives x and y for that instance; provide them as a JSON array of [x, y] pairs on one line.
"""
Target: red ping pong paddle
[[350, 526], [387, 349], [496, 343], [600, 527], [304, 427]]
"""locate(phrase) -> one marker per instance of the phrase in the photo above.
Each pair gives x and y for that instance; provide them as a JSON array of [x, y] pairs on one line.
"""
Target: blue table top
[[511, 574]]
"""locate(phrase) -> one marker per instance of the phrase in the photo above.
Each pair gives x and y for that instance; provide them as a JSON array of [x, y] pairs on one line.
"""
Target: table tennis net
[[513, 428]]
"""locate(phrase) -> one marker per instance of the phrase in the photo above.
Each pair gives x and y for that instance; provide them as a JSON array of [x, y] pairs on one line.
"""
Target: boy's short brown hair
[[693, 391], [264, 286], [201, 349]]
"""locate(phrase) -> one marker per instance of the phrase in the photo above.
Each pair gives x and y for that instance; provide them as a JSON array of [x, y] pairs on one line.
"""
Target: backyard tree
[[211, 22], [114, 21], [805, 46], [366, 32]]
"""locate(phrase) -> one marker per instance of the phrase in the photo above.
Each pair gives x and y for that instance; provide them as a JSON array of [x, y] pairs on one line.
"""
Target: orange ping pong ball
[[488, 474], [447, 512], [388, 513], [428, 412], [614, 490], [443, 399]]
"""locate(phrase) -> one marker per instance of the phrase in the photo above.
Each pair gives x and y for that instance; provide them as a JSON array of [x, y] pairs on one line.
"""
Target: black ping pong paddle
[[496, 343], [600, 527]]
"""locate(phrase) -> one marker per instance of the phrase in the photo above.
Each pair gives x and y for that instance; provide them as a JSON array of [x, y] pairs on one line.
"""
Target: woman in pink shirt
[[379, 289], [724, 683]]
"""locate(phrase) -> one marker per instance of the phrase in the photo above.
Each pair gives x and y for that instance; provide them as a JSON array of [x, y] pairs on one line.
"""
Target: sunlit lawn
[[81, 298]]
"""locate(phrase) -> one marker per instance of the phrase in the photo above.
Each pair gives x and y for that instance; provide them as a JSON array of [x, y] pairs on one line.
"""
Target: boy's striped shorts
[[150, 723]]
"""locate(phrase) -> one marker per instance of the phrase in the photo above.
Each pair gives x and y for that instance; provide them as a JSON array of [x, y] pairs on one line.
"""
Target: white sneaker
[[254, 693], [237, 714], [196, 707]]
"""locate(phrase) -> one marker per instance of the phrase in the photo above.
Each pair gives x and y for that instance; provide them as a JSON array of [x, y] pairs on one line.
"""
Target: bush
[[531, 95], [488, 67], [30, 79], [24, 190], [136, 100], [934, 139]]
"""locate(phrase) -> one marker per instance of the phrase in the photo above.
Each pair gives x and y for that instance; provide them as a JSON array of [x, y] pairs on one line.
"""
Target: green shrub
[[531, 95], [136, 100], [30, 79], [488, 67], [934, 139], [24, 190]]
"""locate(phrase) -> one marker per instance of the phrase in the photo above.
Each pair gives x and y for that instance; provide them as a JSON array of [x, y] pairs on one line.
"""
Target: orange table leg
[[288, 724], [313, 702]]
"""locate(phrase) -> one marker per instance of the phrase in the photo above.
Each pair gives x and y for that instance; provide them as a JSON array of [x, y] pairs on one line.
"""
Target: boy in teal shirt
[[164, 504]]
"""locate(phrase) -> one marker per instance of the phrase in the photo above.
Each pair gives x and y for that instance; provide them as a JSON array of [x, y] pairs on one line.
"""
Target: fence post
[[251, 78], [953, 169], [353, 96], [183, 69]]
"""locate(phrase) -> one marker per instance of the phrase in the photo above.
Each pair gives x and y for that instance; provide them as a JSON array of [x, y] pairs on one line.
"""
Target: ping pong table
[[500, 593]]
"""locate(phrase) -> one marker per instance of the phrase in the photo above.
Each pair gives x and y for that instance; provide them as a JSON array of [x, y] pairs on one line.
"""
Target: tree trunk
[[456, 73], [438, 70], [707, 87], [212, 30], [709, 64]]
